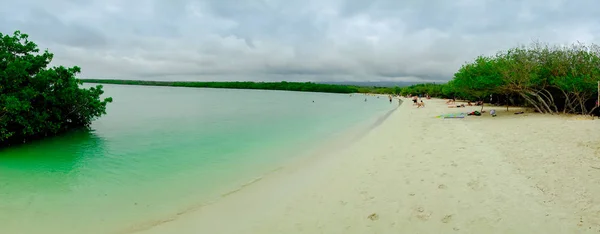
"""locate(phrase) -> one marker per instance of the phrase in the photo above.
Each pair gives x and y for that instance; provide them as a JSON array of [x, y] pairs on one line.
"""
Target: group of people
[[416, 102], [392, 99], [477, 103], [452, 103]]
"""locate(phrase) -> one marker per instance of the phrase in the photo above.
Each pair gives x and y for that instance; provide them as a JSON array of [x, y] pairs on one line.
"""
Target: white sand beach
[[416, 173]]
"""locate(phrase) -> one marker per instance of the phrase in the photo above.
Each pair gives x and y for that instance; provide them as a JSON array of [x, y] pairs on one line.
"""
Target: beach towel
[[476, 113], [452, 116]]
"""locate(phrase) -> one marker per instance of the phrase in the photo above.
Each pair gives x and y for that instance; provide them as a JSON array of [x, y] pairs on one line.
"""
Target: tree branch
[[528, 99]]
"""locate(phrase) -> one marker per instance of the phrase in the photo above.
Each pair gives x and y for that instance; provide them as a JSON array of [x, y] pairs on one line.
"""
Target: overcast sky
[[317, 40]]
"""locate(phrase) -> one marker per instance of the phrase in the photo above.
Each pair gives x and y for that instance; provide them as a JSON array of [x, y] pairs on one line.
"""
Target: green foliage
[[550, 79], [478, 79], [38, 101], [434, 90]]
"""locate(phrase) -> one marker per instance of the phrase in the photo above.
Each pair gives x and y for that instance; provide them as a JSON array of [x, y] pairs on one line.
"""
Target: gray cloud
[[304, 40]]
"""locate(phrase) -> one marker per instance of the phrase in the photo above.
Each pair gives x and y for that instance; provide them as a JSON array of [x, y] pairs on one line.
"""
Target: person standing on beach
[[390, 96]]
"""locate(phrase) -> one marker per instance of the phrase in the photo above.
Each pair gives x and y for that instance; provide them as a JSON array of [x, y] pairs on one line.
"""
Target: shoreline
[[417, 173], [301, 158]]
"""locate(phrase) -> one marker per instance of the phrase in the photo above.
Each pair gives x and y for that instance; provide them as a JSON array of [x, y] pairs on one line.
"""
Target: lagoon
[[163, 151]]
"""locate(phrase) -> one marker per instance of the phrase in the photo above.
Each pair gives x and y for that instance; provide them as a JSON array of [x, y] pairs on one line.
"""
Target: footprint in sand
[[442, 186], [475, 185], [447, 218], [422, 214]]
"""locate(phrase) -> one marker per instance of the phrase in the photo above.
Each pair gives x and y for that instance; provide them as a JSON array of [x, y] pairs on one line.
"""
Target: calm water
[[161, 151]]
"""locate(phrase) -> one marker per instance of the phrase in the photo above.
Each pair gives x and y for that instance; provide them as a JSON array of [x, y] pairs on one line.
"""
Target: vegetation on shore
[[283, 85], [550, 79], [38, 101]]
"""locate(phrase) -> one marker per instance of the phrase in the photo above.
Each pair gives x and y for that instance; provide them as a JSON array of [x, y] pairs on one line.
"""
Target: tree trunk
[[581, 101], [549, 98], [591, 112], [571, 103], [568, 102], [573, 108], [528, 99], [542, 102]]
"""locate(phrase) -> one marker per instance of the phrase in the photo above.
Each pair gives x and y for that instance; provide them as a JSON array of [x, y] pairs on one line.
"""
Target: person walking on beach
[[390, 96]]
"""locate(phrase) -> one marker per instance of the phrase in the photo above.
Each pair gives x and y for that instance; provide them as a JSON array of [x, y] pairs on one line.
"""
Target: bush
[[37, 101], [558, 79]]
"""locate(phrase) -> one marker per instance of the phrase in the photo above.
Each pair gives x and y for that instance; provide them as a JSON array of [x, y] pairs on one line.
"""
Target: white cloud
[[290, 40]]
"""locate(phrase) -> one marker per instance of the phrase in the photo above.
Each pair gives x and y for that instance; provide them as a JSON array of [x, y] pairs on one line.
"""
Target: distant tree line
[[550, 79], [283, 85]]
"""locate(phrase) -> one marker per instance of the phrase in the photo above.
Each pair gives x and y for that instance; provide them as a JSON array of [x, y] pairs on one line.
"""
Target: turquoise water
[[162, 151]]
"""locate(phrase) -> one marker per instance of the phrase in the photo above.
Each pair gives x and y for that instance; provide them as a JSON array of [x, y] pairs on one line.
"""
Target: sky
[[293, 40]]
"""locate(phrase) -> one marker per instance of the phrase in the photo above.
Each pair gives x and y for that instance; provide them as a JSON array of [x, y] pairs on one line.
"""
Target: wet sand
[[415, 173]]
